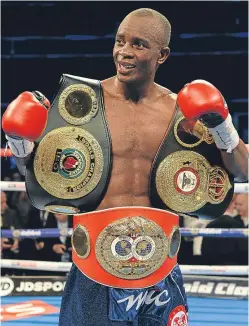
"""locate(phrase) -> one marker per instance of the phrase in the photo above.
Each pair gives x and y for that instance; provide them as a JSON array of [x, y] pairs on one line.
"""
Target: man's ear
[[164, 53]]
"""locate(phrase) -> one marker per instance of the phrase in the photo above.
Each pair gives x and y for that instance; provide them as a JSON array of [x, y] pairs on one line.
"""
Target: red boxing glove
[[26, 117], [201, 100]]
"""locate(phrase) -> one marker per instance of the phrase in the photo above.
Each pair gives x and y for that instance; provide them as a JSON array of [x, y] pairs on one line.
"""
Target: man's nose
[[126, 50]]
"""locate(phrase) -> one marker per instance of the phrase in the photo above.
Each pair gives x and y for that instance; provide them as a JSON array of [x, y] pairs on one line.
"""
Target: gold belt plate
[[132, 248], [78, 104], [185, 182], [68, 162]]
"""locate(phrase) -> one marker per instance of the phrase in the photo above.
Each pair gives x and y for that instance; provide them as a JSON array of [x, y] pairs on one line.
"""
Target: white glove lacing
[[20, 147], [225, 135]]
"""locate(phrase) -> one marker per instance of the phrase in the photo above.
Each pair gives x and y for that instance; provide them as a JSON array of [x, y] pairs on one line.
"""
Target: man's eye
[[139, 45], [118, 41]]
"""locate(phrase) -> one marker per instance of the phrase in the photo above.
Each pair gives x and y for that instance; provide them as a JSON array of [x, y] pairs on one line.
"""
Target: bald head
[[241, 204], [160, 23]]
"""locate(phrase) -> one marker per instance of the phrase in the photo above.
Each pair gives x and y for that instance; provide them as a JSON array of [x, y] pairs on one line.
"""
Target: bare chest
[[136, 130]]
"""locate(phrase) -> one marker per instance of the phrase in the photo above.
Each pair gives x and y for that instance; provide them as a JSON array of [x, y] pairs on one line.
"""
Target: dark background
[[42, 40]]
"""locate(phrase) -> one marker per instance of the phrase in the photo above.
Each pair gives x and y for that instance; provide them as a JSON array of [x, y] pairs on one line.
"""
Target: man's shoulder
[[238, 219], [108, 87], [224, 221], [107, 82], [167, 93]]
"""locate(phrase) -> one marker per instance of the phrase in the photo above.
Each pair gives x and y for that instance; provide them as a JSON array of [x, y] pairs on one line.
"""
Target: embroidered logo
[[178, 317], [146, 298]]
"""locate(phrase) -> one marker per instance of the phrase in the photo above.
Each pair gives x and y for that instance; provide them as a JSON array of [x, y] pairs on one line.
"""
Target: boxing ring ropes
[[65, 267], [210, 309]]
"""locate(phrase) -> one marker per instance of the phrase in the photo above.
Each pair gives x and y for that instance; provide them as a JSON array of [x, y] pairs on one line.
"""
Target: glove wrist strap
[[225, 135], [20, 147]]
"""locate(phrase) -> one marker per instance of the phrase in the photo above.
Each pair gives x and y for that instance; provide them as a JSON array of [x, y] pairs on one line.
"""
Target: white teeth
[[127, 66]]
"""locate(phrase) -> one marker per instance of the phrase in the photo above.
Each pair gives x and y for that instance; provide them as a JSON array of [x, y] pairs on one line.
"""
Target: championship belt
[[71, 163], [188, 175], [68, 163], [186, 182], [128, 247]]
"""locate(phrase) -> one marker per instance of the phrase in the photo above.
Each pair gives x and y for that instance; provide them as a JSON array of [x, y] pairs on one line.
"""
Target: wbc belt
[[126, 247]]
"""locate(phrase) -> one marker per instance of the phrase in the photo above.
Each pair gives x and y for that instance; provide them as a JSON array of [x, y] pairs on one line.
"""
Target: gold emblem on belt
[[195, 131], [80, 240], [69, 210], [132, 247], [68, 163], [78, 104], [186, 181]]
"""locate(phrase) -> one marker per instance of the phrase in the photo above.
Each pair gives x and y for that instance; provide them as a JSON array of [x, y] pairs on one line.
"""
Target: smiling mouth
[[125, 67]]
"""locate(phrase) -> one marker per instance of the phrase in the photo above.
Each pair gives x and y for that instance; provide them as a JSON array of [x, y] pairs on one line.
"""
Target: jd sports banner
[[201, 286], [216, 286], [41, 286]]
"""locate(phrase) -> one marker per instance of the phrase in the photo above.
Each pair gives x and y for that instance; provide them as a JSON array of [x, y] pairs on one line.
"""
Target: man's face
[[137, 49], [4, 205], [241, 204]]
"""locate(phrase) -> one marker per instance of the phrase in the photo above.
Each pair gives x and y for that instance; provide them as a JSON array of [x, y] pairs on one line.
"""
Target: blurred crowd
[[18, 213], [217, 250]]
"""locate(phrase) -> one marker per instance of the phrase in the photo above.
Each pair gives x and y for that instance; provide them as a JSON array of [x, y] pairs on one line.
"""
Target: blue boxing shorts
[[87, 303]]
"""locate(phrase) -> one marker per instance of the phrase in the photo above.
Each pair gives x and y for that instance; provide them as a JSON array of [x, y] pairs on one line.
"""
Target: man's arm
[[23, 122], [237, 162], [21, 150], [203, 101]]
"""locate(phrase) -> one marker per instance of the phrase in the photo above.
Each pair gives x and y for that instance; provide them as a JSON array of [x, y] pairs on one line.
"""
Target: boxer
[[139, 113]]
